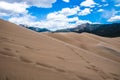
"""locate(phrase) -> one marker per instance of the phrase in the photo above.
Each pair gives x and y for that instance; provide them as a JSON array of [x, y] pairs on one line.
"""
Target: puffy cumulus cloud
[[70, 11], [19, 7], [88, 3], [56, 16], [37, 3], [53, 21], [8, 9], [66, 1], [54, 25], [114, 19], [25, 19], [57, 20], [84, 12], [74, 19]]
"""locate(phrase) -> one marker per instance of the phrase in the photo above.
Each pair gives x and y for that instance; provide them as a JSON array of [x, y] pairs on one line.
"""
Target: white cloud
[[70, 11], [26, 19], [56, 17], [57, 20], [74, 19], [100, 10], [88, 3], [19, 7], [53, 21], [16, 11], [82, 22], [11, 9], [84, 12], [66, 1], [37, 3], [114, 19], [15, 8]]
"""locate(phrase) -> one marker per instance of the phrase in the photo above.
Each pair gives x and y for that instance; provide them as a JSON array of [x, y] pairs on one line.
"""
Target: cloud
[[70, 11], [66, 1], [57, 20], [37, 3], [100, 10], [56, 16], [17, 12], [53, 21], [15, 8], [88, 3], [8, 9], [82, 22], [114, 19], [25, 19], [84, 12]]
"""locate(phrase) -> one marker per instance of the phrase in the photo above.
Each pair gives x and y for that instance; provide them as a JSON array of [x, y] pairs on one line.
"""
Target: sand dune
[[28, 55]]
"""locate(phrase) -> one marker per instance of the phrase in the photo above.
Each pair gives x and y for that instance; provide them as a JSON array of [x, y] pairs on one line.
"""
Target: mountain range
[[37, 29], [106, 30]]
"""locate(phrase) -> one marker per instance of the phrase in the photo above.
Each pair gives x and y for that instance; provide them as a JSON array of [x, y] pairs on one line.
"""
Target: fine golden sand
[[28, 55]]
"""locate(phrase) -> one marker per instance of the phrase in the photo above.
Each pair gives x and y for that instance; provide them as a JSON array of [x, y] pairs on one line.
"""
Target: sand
[[28, 55]]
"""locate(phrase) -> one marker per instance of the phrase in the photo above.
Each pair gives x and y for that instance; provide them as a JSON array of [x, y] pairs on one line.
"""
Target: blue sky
[[58, 14]]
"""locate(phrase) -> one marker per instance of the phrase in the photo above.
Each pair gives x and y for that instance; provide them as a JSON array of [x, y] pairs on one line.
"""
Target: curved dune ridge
[[28, 55]]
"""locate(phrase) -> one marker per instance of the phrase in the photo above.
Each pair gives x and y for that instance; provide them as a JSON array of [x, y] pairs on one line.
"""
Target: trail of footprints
[[8, 52], [103, 75]]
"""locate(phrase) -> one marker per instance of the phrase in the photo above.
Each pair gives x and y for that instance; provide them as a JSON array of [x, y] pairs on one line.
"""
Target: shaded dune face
[[28, 55]]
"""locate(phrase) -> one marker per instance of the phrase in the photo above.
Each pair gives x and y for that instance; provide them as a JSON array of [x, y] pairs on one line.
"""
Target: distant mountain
[[107, 30], [35, 28]]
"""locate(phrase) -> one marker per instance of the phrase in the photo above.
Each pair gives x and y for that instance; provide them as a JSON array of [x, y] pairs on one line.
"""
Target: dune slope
[[27, 55]]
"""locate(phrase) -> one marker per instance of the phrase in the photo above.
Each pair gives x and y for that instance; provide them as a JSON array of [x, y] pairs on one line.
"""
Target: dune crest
[[28, 55]]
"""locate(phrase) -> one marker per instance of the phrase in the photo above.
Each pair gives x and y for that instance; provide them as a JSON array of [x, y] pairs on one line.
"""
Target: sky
[[59, 14]]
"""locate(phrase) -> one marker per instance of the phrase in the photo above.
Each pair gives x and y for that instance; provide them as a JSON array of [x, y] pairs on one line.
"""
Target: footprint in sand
[[60, 58], [100, 72], [24, 59], [7, 52], [28, 47], [51, 67]]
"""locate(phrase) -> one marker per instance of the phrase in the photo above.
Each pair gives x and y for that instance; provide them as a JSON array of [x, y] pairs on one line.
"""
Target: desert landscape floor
[[28, 55]]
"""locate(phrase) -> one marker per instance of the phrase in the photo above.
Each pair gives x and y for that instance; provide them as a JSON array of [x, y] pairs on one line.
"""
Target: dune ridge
[[28, 55]]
